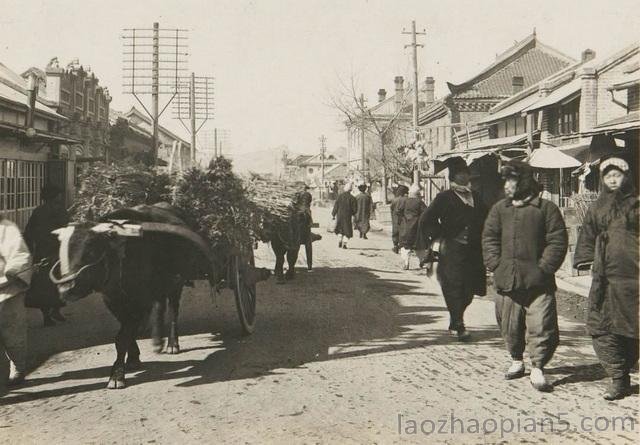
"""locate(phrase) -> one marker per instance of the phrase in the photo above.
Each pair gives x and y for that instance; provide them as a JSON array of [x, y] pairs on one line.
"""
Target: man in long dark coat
[[343, 210], [400, 194], [363, 212], [455, 218], [408, 213], [49, 216]]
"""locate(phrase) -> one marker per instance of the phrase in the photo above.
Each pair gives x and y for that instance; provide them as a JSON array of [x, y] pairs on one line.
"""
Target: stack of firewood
[[108, 187]]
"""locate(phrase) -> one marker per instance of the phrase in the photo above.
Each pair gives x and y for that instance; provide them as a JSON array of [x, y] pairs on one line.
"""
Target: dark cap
[[456, 165], [50, 191]]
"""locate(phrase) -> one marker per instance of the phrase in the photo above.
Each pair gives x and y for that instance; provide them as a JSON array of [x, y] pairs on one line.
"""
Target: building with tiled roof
[[33, 148], [586, 110], [521, 66], [132, 135]]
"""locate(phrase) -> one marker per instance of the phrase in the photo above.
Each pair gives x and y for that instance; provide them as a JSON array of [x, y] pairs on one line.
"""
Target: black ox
[[136, 275]]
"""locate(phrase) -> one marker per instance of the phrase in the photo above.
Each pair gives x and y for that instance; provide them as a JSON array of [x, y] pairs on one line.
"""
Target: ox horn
[[102, 227]]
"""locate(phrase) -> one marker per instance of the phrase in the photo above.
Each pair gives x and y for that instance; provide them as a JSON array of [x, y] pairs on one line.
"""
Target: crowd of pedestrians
[[521, 242]]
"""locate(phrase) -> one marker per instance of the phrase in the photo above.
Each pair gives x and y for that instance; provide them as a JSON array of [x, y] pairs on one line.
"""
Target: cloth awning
[[628, 122], [497, 143], [563, 94], [470, 156], [579, 150], [552, 158]]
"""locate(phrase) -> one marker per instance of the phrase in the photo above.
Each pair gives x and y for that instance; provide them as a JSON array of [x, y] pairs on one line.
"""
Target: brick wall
[[606, 108], [633, 98], [588, 98]]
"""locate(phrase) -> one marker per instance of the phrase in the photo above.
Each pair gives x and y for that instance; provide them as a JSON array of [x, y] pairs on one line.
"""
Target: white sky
[[276, 60]]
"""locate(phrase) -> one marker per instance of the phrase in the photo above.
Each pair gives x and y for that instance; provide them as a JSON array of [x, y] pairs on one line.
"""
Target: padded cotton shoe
[[539, 381], [515, 371]]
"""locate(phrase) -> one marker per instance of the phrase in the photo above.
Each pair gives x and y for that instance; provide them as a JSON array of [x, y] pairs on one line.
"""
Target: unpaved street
[[356, 351]]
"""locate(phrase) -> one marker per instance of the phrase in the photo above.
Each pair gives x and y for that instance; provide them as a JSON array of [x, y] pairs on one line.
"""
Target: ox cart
[[228, 267], [139, 259]]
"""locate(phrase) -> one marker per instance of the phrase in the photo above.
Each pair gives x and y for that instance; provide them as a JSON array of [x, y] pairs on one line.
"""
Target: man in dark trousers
[[400, 194], [455, 219], [363, 212], [305, 200], [524, 243]]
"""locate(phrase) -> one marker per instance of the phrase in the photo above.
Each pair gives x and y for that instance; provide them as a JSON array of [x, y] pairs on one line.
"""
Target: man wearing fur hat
[[524, 243], [455, 217], [609, 241]]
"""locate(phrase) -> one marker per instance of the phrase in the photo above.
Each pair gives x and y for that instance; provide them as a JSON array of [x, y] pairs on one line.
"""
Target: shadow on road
[[329, 314]]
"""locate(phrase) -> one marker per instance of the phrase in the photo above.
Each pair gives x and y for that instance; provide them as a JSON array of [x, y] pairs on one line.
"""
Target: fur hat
[[50, 191], [523, 173], [457, 165], [402, 190], [613, 163]]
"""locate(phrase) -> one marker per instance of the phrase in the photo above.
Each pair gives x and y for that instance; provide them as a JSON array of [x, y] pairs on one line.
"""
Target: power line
[[142, 75]]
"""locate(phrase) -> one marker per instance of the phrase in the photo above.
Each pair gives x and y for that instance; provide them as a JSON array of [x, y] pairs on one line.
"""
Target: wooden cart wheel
[[245, 293]]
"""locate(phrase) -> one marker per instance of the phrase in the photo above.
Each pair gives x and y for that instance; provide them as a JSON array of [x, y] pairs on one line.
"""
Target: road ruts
[[352, 352]]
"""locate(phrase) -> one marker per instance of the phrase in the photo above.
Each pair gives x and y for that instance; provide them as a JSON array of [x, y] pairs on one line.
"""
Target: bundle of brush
[[275, 201], [215, 203], [108, 187]]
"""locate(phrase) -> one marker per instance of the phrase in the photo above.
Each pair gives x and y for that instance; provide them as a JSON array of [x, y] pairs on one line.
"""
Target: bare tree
[[386, 129]]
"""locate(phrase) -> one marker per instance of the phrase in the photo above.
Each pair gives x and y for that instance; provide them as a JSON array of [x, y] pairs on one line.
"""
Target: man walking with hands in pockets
[[524, 243]]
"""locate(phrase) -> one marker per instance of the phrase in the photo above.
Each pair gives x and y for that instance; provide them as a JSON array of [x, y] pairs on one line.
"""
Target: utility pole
[[414, 44], [155, 88], [215, 143], [146, 73], [363, 163], [194, 102], [192, 113], [323, 149]]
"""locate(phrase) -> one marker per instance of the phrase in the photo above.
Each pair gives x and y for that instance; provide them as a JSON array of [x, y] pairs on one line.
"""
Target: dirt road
[[356, 351]]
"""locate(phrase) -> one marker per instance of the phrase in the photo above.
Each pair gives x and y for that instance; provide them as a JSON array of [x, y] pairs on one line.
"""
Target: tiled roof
[[146, 125], [13, 89], [533, 66]]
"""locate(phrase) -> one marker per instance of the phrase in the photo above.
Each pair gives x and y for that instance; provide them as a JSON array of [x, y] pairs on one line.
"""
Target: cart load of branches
[[276, 201], [226, 210], [108, 187], [231, 211]]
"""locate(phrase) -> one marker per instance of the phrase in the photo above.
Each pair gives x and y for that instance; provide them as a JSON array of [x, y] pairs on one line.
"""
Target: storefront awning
[[622, 124], [497, 143], [552, 158], [563, 94], [470, 156]]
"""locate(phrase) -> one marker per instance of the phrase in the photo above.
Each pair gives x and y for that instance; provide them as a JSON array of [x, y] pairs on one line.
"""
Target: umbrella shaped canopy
[[550, 157]]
